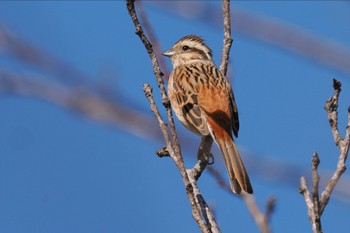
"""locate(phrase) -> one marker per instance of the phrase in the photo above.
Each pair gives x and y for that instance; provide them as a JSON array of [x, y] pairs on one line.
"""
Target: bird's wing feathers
[[234, 111], [185, 103], [194, 115]]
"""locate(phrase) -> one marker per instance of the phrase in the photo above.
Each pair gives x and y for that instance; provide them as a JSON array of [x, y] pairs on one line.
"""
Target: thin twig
[[227, 36], [331, 107], [315, 195], [163, 126], [303, 190]]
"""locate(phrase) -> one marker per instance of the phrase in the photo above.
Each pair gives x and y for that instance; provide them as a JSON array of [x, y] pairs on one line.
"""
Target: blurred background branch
[[268, 30]]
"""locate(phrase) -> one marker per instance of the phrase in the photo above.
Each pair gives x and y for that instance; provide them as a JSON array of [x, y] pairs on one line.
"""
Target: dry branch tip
[[303, 185], [163, 152], [315, 160], [270, 207], [336, 85]]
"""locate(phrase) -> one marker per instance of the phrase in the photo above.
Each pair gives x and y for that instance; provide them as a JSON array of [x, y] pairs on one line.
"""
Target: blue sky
[[61, 171]]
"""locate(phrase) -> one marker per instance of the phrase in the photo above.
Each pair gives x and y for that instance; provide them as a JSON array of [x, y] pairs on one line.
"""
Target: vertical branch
[[312, 200], [315, 196], [303, 190], [227, 36], [331, 107], [261, 219]]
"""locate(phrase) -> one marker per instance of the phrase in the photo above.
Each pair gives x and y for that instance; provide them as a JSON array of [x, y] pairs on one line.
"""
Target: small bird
[[203, 101]]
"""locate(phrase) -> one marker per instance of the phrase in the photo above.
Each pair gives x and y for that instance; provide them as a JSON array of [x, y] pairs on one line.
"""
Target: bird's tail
[[237, 173]]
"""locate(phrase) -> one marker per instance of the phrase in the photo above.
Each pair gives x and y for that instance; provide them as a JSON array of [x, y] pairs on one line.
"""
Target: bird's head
[[189, 49]]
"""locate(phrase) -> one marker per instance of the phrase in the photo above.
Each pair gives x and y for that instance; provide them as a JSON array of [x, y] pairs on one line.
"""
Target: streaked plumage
[[203, 100]]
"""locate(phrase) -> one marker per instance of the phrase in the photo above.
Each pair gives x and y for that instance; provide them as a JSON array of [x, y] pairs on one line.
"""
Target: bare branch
[[303, 189], [343, 144], [163, 126], [316, 205], [315, 196], [331, 107], [227, 37]]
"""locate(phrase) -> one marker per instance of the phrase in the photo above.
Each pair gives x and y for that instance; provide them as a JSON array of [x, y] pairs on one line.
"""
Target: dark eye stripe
[[200, 52]]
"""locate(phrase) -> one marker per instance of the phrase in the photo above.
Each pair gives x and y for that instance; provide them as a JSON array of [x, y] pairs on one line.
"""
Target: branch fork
[[315, 204]]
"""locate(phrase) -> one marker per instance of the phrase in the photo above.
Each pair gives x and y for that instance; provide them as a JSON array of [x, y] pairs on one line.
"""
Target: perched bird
[[202, 99]]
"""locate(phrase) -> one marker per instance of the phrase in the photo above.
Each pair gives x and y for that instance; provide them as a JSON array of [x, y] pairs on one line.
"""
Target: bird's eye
[[184, 48]]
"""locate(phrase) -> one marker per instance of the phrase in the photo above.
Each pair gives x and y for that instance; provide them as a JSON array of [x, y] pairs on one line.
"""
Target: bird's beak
[[169, 53]]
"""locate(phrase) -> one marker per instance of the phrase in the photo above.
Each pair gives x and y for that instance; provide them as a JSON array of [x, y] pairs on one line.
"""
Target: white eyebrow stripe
[[199, 46], [196, 45]]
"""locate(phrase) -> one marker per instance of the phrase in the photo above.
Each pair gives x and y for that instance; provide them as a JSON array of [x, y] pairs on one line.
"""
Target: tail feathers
[[237, 173]]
